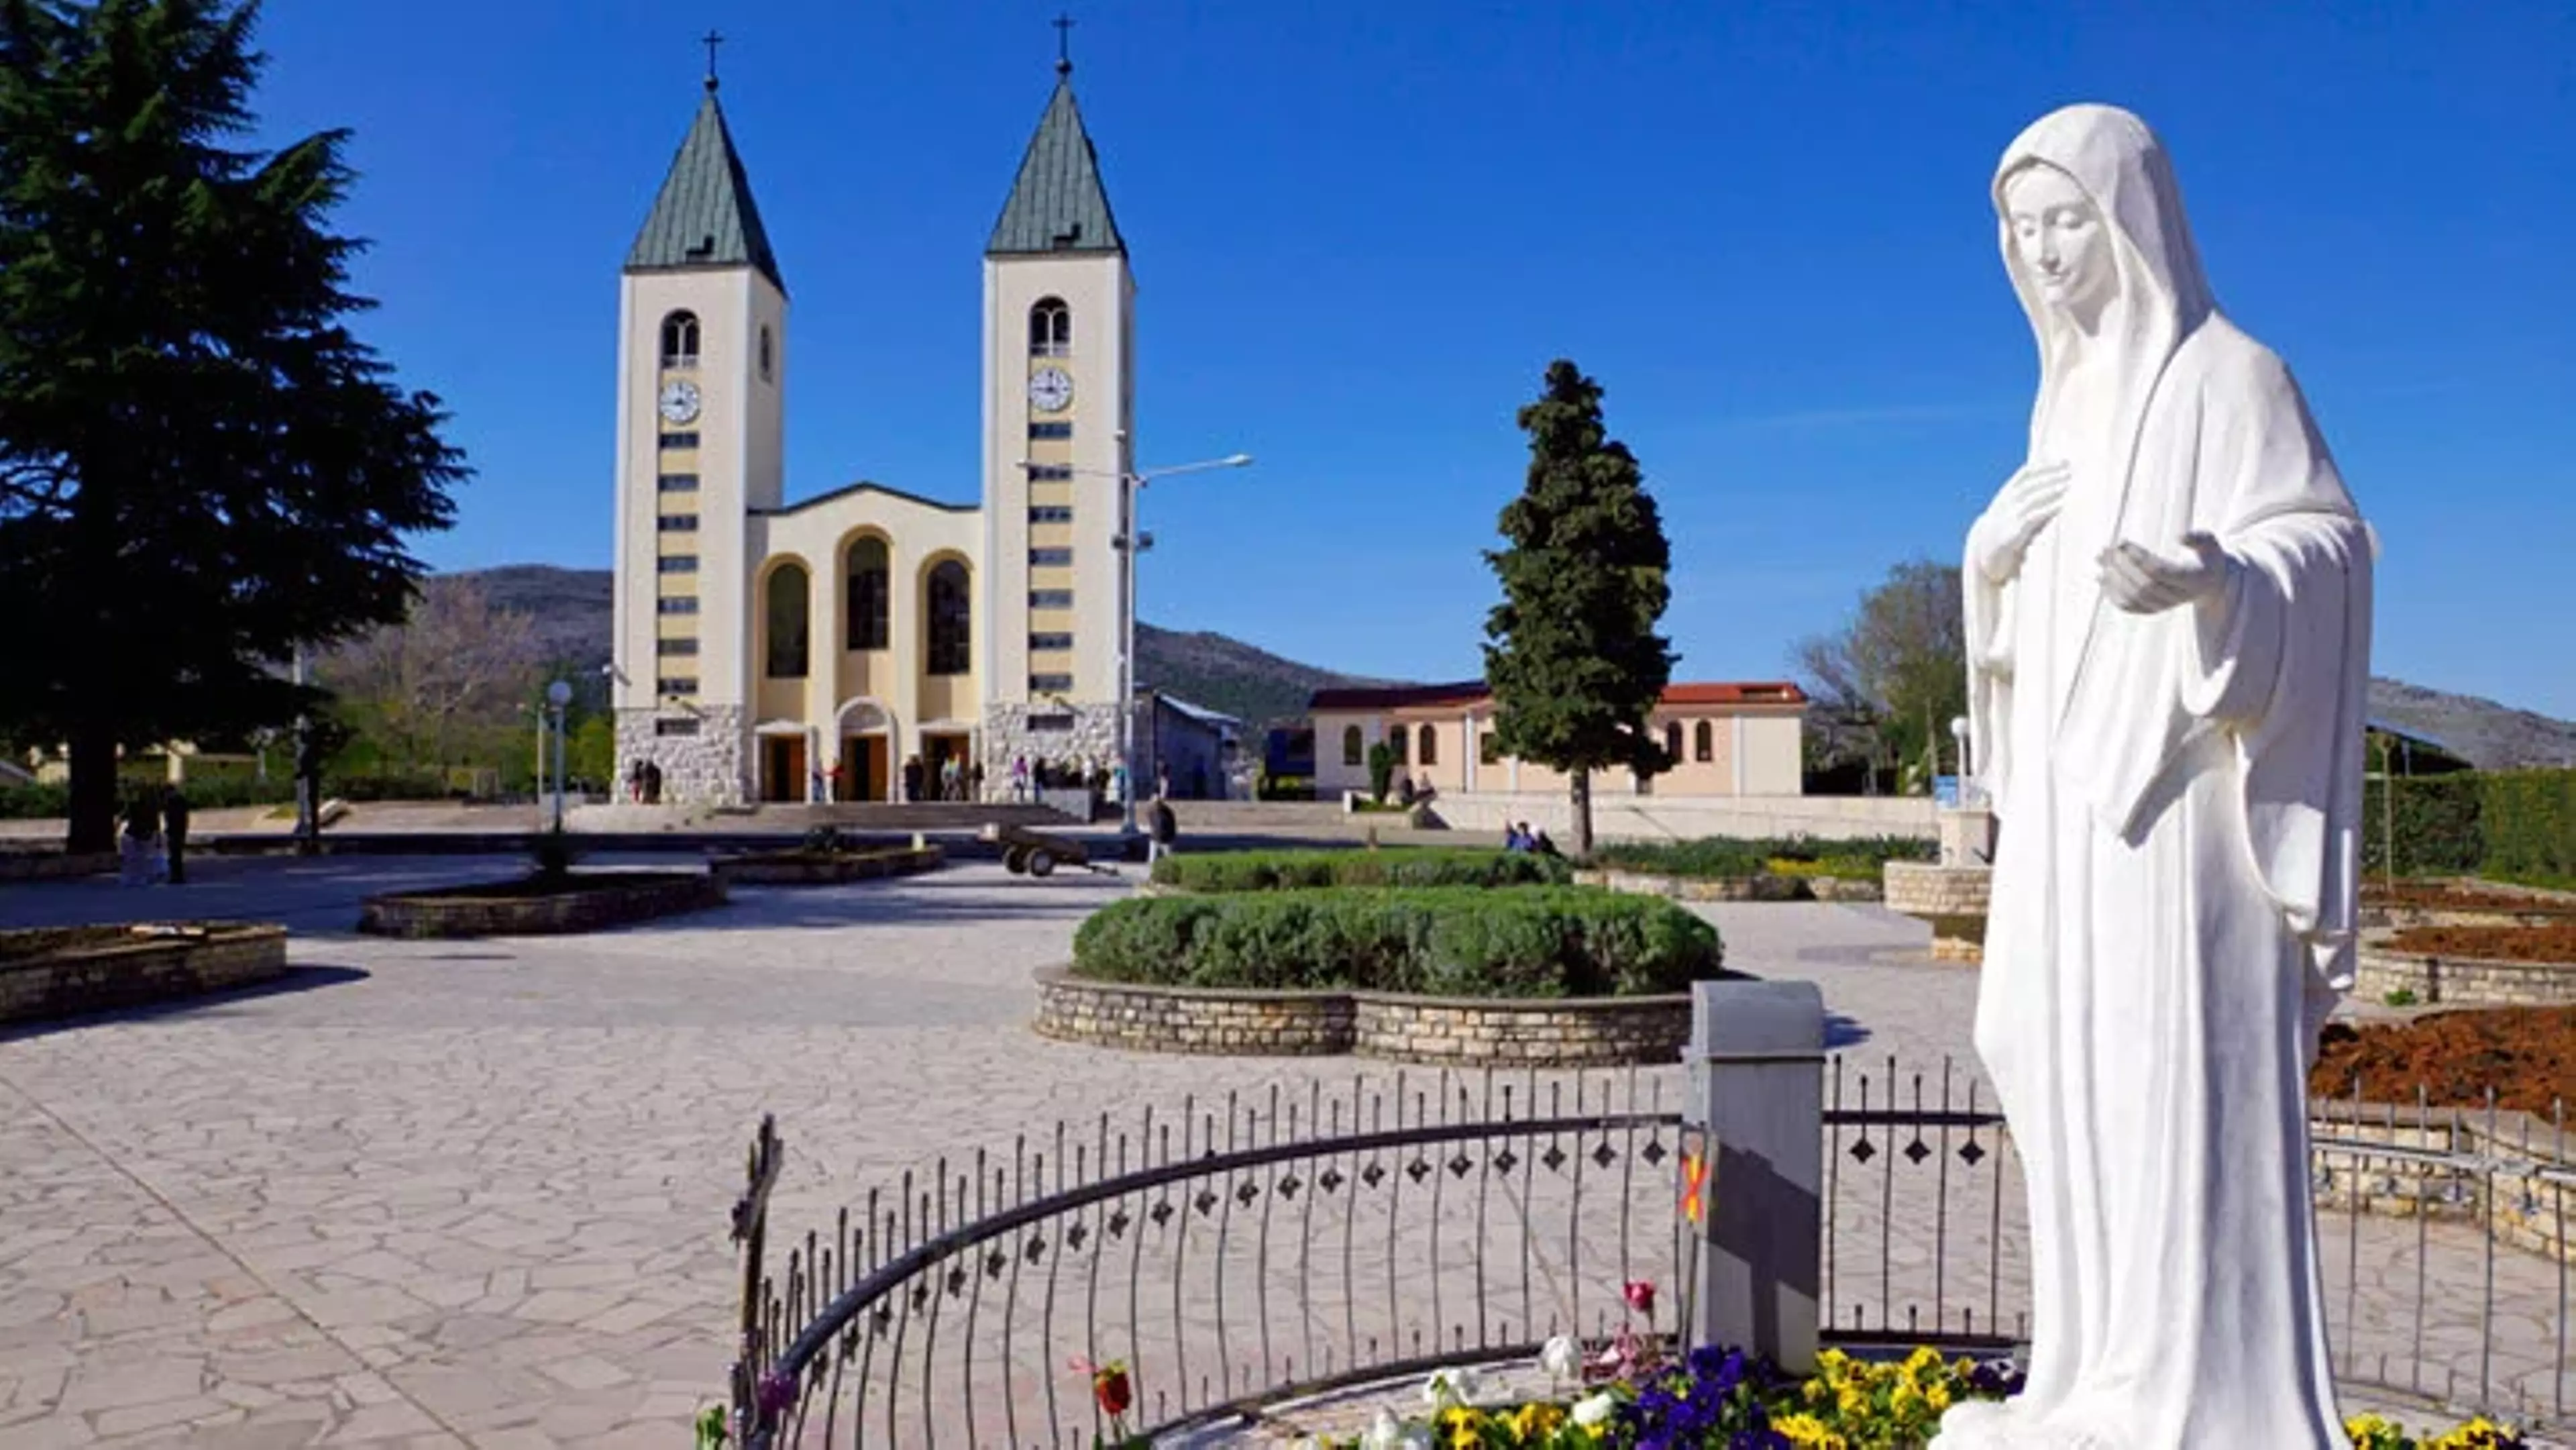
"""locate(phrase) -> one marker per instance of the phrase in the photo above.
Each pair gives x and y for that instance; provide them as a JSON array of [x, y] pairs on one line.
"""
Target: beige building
[[1726, 740], [789, 651]]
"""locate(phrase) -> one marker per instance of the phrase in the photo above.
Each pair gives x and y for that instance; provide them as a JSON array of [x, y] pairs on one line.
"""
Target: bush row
[[2516, 824], [1719, 857], [1399, 866], [1544, 941], [52, 800]]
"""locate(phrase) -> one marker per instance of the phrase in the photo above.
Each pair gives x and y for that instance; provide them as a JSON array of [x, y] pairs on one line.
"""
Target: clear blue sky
[[1362, 230]]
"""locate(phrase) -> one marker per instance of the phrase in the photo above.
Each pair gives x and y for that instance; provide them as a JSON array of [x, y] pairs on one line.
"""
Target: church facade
[[796, 651]]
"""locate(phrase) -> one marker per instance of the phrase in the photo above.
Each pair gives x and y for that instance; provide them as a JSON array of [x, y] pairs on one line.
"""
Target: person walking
[[1166, 828], [134, 848], [1020, 779], [174, 831]]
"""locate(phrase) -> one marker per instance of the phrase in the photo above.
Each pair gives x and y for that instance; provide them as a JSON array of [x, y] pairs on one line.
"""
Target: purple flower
[[776, 1394]]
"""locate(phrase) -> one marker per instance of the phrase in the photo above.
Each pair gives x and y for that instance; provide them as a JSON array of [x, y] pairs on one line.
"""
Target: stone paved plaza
[[444, 1193]]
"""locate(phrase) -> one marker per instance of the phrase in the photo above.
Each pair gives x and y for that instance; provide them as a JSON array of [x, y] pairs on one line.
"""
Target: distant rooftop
[[1473, 692]]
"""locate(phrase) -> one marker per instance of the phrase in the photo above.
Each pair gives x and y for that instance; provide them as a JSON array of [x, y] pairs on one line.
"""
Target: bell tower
[[701, 364], [1059, 400]]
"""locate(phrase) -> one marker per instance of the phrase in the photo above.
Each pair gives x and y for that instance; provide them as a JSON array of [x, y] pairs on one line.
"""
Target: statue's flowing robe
[[2178, 799]]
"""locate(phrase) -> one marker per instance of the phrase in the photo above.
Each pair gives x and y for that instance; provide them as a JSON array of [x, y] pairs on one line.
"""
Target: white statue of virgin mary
[[2168, 625]]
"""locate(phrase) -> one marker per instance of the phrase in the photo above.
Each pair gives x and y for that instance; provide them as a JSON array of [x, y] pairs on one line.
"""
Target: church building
[[792, 651]]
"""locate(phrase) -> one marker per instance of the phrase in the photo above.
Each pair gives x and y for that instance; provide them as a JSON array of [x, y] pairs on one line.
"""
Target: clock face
[[1051, 389], [679, 401]]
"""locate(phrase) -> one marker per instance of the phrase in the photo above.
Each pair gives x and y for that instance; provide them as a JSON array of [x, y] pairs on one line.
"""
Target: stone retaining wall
[[54, 865], [1473, 1031], [1695, 888], [135, 970], [439, 912], [2525, 1211], [791, 868], [1952, 898], [2465, 981]]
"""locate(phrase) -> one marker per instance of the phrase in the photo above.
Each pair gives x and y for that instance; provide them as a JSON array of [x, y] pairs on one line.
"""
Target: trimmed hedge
[[1543, 941], [1731, 857], [208, 792], [2516, 824], [1229, 871]]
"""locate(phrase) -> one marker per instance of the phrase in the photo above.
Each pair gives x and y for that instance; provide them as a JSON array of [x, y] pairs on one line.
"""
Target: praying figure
[[2168, 635]]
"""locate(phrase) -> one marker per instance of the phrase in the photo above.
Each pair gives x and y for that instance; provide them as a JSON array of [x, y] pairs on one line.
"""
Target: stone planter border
[[1764, 887], [133, 969], [1442, 1031], [2464, 981], [1951, 898], [440, 912], [797, 868]]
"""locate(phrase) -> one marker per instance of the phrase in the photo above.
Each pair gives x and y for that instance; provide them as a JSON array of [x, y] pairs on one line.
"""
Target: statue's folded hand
[[2027, 503], [2142, 581]]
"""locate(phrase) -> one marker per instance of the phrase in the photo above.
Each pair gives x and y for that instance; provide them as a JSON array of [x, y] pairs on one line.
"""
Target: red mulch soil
[[2555, 942], [2435, 895], [2527, 1054]]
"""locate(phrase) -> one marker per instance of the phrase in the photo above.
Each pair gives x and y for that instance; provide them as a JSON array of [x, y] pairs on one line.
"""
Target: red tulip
[[1641, 1296], [1109, 1386]]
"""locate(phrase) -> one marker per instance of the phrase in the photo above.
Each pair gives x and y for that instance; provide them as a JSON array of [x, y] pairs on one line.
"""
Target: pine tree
[[201, 469], [1573, 659]]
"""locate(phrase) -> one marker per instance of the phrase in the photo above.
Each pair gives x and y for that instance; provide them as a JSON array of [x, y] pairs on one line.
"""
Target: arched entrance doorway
[[866, 770]]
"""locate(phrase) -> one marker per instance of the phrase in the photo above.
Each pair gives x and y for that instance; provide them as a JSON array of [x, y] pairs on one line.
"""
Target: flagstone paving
[[474, 1193]]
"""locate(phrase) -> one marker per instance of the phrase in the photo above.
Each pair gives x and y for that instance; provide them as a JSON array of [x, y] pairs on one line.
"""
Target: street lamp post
[[1129, 543], [559, 695]]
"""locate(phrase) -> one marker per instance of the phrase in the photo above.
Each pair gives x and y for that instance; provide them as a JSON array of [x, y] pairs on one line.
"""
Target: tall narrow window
[[680, 340], [1672, 740], [1397, 737], [1351, 745], [1050, 328], [1703, 745], [1430, 752], [1489, 748], [765, 351], [787, 587], [869, 571], [951, 642]]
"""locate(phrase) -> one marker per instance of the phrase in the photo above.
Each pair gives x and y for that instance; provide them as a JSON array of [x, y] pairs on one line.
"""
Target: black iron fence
[[1255, 1250]]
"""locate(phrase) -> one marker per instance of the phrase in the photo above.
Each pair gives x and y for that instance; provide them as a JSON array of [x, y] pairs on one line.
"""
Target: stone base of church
[[1067, 734], [709, 766]]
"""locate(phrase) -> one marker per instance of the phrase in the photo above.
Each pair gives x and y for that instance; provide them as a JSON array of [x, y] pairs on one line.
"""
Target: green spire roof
[[1057, 204], [705, 216]]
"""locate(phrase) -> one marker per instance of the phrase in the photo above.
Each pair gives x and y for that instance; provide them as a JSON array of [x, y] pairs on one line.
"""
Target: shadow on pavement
[[298, 978]]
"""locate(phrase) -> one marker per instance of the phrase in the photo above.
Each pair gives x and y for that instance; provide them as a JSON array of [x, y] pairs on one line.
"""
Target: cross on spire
[[711, 40], [1063, 44]]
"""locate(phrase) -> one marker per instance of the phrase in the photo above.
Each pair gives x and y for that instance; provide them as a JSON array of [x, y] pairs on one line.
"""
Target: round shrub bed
[[1540, 941], [1416, 866], [2527, 1055], [827, 868], [541, 905], [1456, 1031], [64, 971]]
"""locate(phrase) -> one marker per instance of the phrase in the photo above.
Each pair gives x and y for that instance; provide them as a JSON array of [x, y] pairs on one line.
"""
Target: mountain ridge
[[572, 609]]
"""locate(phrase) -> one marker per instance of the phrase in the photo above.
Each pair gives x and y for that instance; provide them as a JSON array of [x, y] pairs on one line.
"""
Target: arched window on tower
[[1050, 328], [680, 340], [766, 350], [951, 643], [1429, 754], [1351, 748], [787, 653], [1703, 745]]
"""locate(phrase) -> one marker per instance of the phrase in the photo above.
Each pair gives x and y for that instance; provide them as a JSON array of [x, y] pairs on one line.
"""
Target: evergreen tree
[[200, 468], [1573, 658]]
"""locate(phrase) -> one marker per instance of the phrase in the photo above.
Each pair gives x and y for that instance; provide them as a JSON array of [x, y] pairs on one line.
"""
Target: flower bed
[[2553, 943], [541, 904], [64, 971], [1723, 1399], [2528, 1054], [827, 867], [1394, 866], [1539, 941]]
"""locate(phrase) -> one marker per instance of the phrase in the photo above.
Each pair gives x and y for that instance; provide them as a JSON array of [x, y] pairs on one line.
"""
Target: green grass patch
[[1419, 866], [1732, 857], [1543, 941]]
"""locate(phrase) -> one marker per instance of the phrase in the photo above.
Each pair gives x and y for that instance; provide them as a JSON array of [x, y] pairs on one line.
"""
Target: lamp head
[[559, 694]]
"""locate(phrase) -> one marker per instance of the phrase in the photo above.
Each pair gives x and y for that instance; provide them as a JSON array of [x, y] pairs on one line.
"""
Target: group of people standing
[[154, 846], [1521, 838]]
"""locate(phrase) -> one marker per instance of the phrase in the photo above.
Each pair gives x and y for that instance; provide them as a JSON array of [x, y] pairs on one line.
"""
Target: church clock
[[1051, 389], [679, 401]]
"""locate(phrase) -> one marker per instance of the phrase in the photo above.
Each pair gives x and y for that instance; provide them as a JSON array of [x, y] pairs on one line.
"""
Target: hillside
[[2484, 733], [572, 610]]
